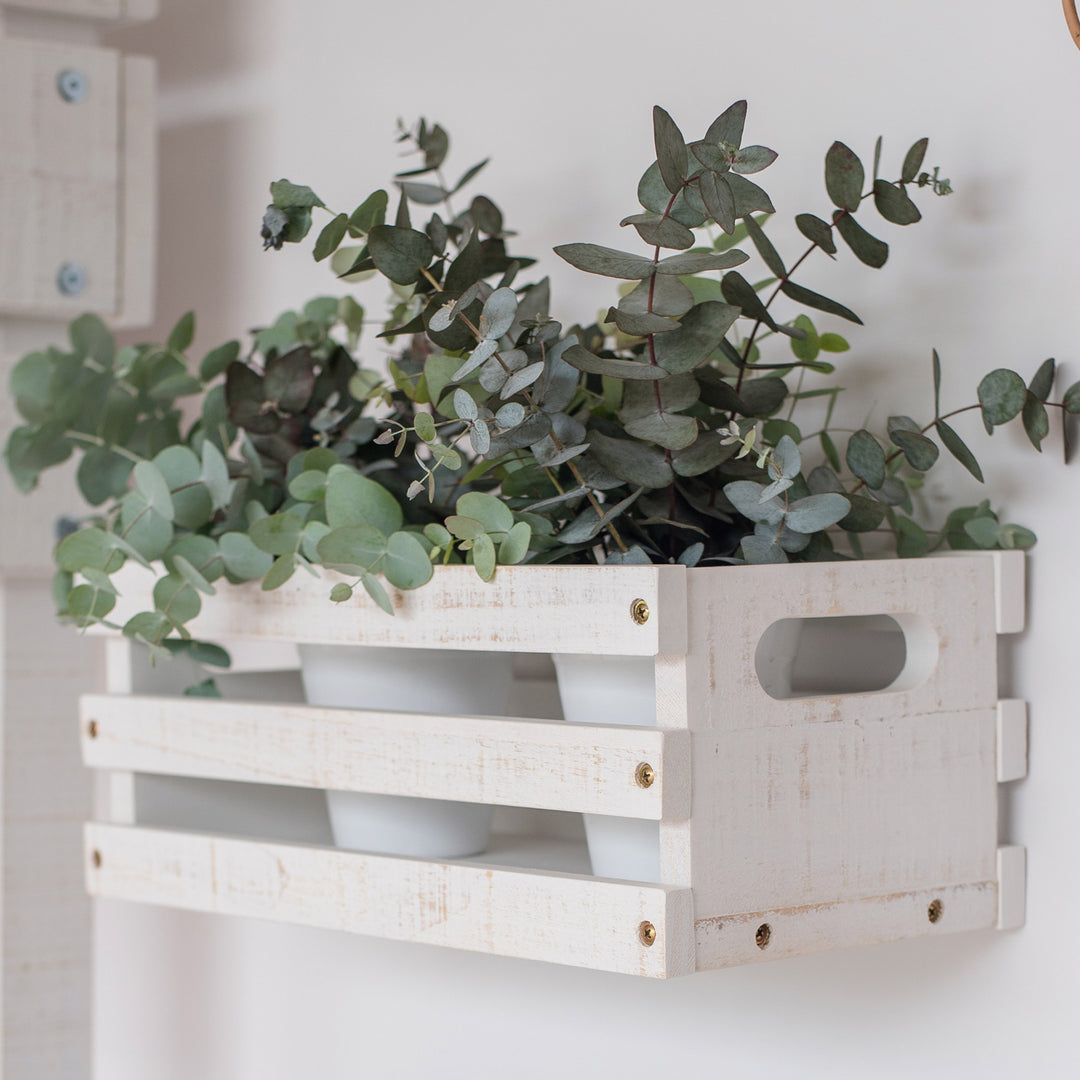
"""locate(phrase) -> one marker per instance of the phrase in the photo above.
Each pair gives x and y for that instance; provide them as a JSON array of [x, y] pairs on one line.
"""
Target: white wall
[[560, 95]]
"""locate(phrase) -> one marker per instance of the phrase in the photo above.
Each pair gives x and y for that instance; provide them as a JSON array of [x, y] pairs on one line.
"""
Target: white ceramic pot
[[613, 690], [407, 680]]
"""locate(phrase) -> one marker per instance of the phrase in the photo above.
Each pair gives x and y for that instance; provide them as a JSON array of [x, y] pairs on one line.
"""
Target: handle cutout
[[845, 654]]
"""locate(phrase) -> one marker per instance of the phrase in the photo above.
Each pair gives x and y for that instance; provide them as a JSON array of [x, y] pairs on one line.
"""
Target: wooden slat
[[561, 918], [567, 609], [512, 762], [112, 10], [733, 939]]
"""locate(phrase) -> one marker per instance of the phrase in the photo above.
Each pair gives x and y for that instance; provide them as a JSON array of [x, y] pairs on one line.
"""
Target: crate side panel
[[731, 610], [784, 817], [560, 918]]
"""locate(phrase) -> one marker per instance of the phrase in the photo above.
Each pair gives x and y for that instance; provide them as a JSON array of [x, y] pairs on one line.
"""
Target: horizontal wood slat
[[814, 928], [562, 609], [512, 762], [561, 918]]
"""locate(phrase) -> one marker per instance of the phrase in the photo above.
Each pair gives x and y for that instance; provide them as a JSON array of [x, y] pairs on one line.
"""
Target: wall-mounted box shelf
[[787, 826]]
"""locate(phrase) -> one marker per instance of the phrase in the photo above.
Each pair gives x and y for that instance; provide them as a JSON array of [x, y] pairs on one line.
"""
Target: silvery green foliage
[[662, 432]]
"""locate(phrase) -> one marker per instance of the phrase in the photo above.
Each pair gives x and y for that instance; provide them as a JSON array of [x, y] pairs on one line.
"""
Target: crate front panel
[[561, 609], [561, 918], [509, 762]]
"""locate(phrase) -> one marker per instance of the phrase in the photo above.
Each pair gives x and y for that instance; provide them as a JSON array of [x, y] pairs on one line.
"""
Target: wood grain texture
[[561, 918], [59, 178], [583, 609], [137, 194], [814, 928], [44, 798], [508, 762]]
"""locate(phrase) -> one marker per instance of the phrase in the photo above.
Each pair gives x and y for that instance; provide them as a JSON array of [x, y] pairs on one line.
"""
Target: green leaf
[[90, 339], [217, 360], [308, 486], [762, 397], [752, 159], [1002, 395], [817, 232], [670, 150], [516, 545], [192, 576], [200, 551], [1043, 382], [352, 549], [1071, 399], [288, 195], [406, 565], [490, 511], [866, 248], [588, 524], [583, 360], [807, 347], [697, 262], [341, 592], [373, 587], [958, 448], [705, 453], [371, 212], [399, 253], [816, 512], [866, 514], [670, 430], [330, 238], [208, 688], [1016, 537], [913, 160], [762, 551], [607, 262], [90, 547], [182, 334], [833, 343], [866, 458], [894, 205], [817, 301], [176, 599], [921, 453], [352, 499], [937, 382], [728, 126], [664, 295], [660, 231], [154, 488], [983, 530], [631, 461], [89, 604], [424, 424], [749, 198], [1036, 421], [277, 534], [765, 248], [282, 569], [702, 330], [718, 200], [844, 175], [829, 448], [102, 475], [911, 540], [745, 496]]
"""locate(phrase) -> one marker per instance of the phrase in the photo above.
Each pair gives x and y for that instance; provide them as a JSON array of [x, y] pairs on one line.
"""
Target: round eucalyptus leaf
[[151, 483], [816, 512], [1002, 394], [489, 510], [88, 604], [866, 458], [243, 560], [277, 534], [282, 569], [483, 556], [103, 475], [352, 499], [176, 599], [406, 564], [341, 592], [201, 552], [352, 549], [516, 545]]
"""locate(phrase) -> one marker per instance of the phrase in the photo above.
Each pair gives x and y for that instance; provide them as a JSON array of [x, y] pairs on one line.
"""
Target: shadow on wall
[[207, 39]]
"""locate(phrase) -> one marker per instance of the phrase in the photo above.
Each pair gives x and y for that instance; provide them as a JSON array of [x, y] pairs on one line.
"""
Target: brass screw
[[935, 911], [92, 729], [763, 935], [647, 933], [645, 775], [95, 858], [639, 611]]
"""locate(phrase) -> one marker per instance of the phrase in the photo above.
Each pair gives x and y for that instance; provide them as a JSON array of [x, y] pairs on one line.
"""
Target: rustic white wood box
[[787, 826]]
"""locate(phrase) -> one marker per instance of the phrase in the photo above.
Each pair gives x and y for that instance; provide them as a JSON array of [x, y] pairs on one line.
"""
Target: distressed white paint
[[508, 762], [1012, 748], [540, 916]]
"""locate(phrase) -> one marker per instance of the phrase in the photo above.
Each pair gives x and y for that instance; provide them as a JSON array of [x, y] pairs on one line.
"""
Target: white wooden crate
[[787, 826]]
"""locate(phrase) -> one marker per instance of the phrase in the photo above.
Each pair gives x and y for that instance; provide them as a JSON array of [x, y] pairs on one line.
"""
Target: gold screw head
[[647, 933], [935, 911], [95, 858], [645, 775], [639, 611], [92, 729], [763, 935]]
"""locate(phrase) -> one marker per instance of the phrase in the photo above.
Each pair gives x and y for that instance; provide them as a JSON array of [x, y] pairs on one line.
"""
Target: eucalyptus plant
[[670, 429], [662, 432]]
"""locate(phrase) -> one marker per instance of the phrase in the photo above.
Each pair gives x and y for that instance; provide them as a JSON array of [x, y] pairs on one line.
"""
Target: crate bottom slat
[[539, 915]]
